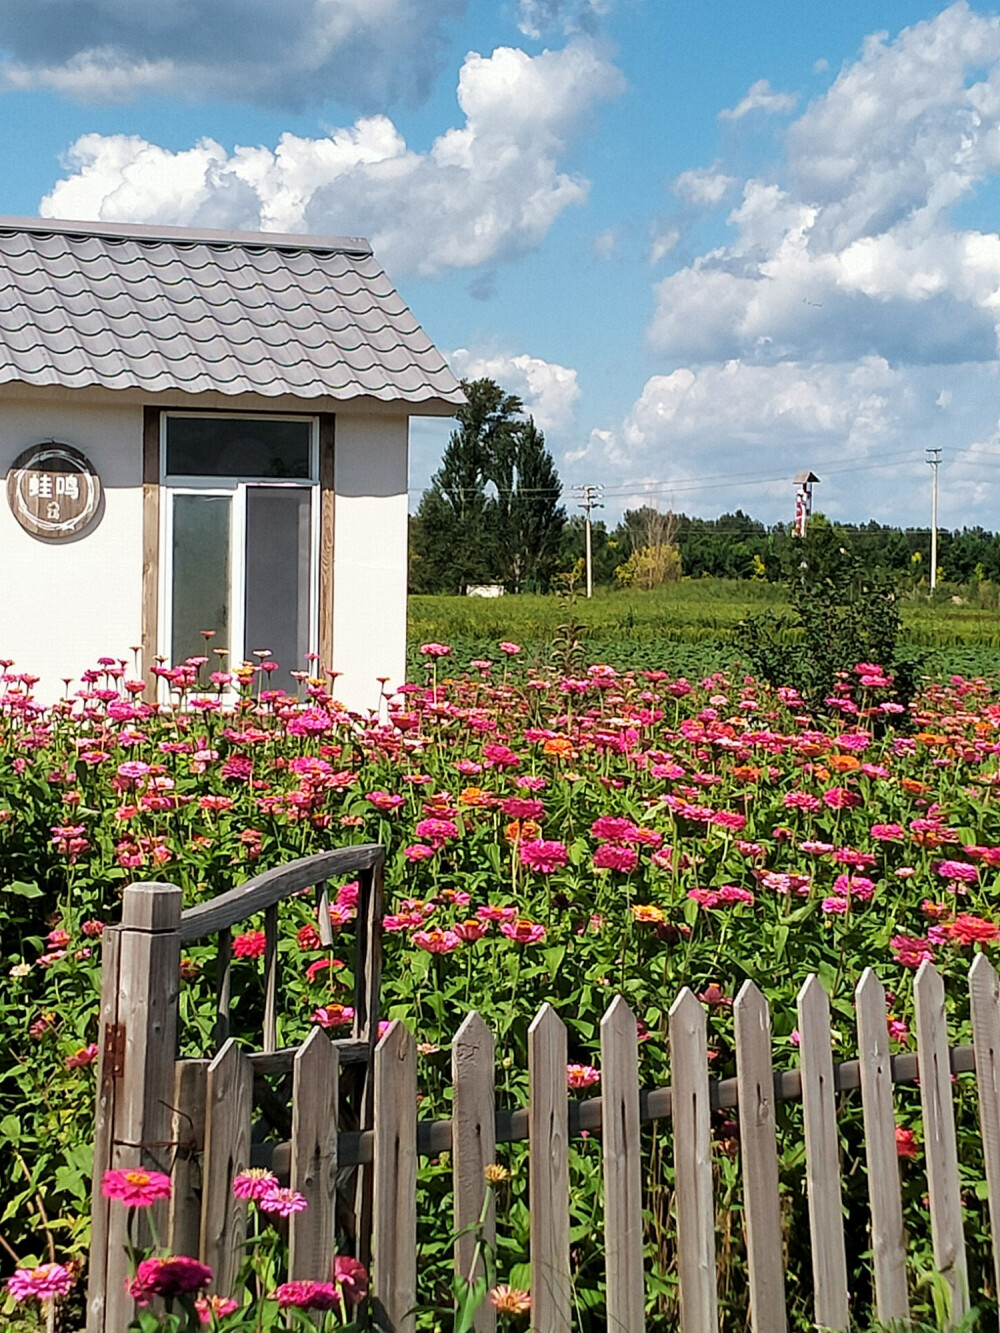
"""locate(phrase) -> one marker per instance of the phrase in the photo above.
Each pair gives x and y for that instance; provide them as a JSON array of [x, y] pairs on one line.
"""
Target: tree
[[491, 513]]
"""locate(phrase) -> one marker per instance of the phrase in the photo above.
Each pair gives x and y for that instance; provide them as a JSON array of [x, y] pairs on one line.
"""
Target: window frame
[[235, 487]]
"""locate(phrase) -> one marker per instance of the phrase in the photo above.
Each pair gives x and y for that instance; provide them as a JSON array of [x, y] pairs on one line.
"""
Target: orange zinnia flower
[[474, 796], [843, 763], [914, 787], [559, 746]]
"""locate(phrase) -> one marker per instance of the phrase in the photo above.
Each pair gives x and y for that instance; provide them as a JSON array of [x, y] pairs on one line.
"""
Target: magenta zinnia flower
[[522, 931], [307, 1295], [177, 1275], [254, 1183], [351, 1276], [45, 1282], [543, 856], [136, 1189]]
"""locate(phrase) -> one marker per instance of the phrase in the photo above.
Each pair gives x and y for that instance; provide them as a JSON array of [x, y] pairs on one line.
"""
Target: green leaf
[[23, 889]]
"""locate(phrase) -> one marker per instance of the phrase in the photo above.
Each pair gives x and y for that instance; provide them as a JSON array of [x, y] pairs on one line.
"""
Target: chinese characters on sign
[[53, 491]]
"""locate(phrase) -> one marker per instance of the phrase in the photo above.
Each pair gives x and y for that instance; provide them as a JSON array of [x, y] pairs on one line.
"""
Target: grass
[[690, 623]]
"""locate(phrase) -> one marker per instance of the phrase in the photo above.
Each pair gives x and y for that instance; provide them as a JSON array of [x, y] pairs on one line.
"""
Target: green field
[[686, 626]]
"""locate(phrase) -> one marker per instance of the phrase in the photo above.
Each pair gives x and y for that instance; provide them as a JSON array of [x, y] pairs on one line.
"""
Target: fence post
[[139, 988]]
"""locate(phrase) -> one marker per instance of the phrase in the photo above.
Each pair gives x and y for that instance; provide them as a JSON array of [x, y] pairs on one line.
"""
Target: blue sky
[[710, 245]]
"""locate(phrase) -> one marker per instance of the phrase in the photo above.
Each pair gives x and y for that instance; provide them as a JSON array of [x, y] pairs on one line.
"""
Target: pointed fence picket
[[210, 1131]]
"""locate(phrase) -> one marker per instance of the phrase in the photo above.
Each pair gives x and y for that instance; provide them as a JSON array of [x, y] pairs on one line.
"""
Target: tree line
[[493, 515]]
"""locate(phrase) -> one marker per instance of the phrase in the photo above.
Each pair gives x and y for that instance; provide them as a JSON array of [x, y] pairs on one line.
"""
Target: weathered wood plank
[[323, 915], [395, 1180], [622, 1175], [940, 1147], [473, 1148], [148, 985], [826, 1216], [188, 1134], [311, 1240], [228, 1108], [227, 909], [223, 986], [692, 1124], [548, 1135], [755, 1078], [984, 994], [367, 997], [892, 1303], [270, 1036], [108, 1086]]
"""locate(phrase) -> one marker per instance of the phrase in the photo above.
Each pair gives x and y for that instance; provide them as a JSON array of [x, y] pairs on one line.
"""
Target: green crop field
[[686, 626]]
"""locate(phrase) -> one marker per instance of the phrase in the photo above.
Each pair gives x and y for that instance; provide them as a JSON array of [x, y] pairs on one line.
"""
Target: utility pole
[[934, 462], [590, 500]]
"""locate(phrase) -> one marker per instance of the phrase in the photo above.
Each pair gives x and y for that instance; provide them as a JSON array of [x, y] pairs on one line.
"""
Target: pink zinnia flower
[[437, 941], [911, 951], [611, 828], [136, 1189], [511, 649], [496, 913], [419, 851], [435, 650], [214, 1307], [86, 1055], [610, 857], [471, 930], [582, 1076], [254, 1183], [307, 1295], [351, 1276], [177, 1275], [250, 945], [522, 931], [542, 856], [957, 870], [887, 832], [839, 798], [45, 1282], [284, 1202], [333, 1015]]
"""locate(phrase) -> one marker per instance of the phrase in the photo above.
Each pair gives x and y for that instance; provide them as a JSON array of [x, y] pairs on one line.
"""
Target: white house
[[204, 430]]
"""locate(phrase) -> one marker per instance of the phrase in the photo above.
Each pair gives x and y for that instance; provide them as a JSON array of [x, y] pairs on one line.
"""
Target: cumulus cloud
[[535, 18], [549, 391], [851, 250], [485, 191], [300, 53], [760, 97], [703, 185]]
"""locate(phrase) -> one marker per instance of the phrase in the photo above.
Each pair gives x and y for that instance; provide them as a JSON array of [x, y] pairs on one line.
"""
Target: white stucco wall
[[64, 604], [370, 556]]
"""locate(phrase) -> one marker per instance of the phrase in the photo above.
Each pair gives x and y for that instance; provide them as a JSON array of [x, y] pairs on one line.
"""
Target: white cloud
[[760, 97], [851, 250], [662, 242], [606, 243], [535, 18], [703, 186], [486, 191], [363, 53], [549, 391]]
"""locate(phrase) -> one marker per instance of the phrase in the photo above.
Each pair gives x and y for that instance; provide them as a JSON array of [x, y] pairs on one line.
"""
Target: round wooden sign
[[53, 491]]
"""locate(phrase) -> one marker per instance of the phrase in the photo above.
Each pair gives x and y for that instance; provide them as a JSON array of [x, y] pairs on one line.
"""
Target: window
[[241, 520]]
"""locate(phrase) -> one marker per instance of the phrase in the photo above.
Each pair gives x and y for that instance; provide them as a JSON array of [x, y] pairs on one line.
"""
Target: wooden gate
[[191, 1119]]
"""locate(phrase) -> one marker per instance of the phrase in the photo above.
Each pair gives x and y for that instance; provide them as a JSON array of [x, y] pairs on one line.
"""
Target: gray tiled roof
[[165, 309]]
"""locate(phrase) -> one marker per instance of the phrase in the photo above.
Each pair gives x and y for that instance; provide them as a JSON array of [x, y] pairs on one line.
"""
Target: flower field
[[551, 838]]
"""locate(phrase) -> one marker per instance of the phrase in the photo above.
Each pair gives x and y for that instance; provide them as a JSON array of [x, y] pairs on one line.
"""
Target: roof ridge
[[122, 231]]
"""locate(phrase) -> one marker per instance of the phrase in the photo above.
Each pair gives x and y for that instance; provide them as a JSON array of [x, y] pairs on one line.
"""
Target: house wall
[[370, 555], [63, 605]]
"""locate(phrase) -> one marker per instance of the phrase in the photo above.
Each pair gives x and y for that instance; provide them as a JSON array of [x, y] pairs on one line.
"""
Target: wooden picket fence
[[200, 1126], [192, 1118]]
